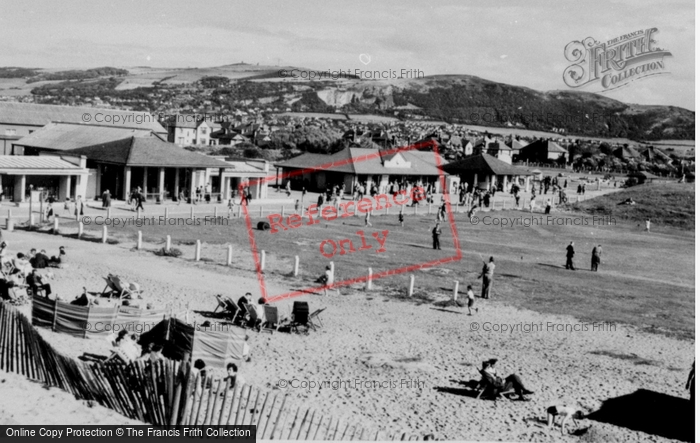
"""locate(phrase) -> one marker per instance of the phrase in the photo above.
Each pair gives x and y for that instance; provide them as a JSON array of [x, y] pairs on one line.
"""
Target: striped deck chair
[[272, 319], [124, 290], [253, 315]]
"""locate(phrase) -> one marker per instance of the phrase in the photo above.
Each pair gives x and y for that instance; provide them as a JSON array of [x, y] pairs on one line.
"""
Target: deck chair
[[272, 319], [300, 316], [221, 304], [124, 289], [316, 317], [110, 288], [253, 315], [489, 386]]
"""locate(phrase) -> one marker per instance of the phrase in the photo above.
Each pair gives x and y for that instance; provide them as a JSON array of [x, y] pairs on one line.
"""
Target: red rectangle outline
[[350, 281]]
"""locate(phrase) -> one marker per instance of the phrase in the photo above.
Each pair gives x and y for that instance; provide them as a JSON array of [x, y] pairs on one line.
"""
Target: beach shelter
[[216, 346]]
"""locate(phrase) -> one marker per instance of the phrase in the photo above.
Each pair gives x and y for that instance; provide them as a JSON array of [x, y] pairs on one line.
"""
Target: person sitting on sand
[[40, 260], [154, 355], [512, 382], [5, 257], [60, 260], [233, 377], [84, 299], [565, 410], [244, 300], [36, 284], [22, 265]]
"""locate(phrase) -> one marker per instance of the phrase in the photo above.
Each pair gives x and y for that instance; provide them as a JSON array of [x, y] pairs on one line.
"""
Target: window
[[31, 130], [203, 130], [181, 140]]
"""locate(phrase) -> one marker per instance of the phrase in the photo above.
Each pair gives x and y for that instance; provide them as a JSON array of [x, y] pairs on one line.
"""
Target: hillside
[[451, 98], [666, 204]]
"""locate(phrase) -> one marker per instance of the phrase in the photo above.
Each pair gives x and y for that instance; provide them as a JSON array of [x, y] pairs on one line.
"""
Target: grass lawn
[[666, 204], [646, 279]]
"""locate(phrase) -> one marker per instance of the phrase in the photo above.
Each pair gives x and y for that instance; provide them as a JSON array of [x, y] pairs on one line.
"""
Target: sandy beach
[[398, 364]]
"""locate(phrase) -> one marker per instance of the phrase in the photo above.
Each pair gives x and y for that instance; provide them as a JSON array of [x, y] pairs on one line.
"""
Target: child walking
[[470, 300], [401, 217]]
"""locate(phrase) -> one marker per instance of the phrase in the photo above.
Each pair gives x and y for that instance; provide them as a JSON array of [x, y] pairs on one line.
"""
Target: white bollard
[[332, 265], [261, 211], [239, 211], [167, 243], [192, 212], [55, 225], [369, 279], [430, 208], [386, 210], [456, 291], [31, 220], [411, 283], [296, 265], [80, 229], [139, 240], [166, 213], [262, 260], [198, 251], [109, 212], [216, 212], [104, 234], [229, 257], [138, 213], [282, 210]]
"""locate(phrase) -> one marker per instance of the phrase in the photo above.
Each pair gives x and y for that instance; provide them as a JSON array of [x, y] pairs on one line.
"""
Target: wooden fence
[[168, 393]]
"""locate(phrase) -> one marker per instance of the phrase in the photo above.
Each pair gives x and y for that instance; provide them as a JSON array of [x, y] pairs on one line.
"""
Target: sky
[[516, 42]]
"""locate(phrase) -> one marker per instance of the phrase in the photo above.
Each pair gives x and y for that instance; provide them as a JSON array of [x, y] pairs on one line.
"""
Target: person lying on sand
[[84, 299], [565, 410], [512, 382]]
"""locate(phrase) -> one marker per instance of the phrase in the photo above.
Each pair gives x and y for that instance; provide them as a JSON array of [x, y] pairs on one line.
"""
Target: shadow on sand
[[651, 412]]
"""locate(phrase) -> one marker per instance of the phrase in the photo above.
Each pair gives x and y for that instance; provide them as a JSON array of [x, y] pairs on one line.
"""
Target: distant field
[[666, 204], [646, 279]]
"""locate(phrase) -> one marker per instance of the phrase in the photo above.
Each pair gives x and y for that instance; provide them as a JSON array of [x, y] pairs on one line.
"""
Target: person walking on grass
[[436, 231], [570, 256], [367, 222], [401, 217], [487, 278], [595, 257], [648, 228]]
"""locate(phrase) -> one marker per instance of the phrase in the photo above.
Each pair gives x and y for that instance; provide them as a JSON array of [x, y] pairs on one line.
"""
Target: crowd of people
[[27, 271]]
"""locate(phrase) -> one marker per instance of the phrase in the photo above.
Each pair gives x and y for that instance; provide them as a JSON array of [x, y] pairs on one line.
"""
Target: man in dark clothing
[[570, 257], [244, 300], [595, 258], [141, 197], [511, 383], [40, 260], [35, 284], [436, 236]]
